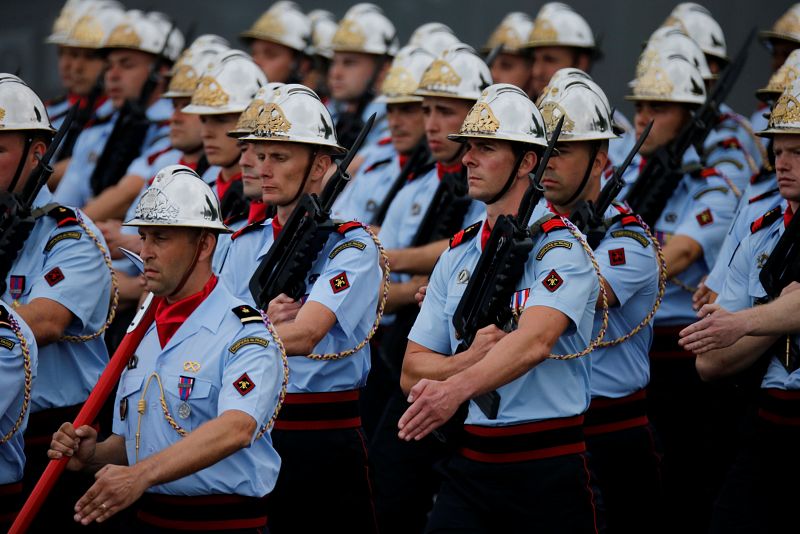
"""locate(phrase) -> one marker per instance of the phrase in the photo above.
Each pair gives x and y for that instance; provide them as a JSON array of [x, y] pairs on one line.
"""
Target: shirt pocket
[[129, 394], [200, 406]]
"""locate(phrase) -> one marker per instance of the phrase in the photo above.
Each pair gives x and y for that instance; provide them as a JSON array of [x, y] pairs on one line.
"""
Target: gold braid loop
[[284, 383], [662, 286], [601, 334], [381, 306], [26, 365], [112, 311]]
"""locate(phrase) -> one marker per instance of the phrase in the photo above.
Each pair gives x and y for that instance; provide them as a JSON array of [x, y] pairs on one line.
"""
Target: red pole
[[103, 388]]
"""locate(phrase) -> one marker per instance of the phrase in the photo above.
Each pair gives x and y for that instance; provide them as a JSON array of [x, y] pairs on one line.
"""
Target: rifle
[[502, 263], [419, 156], [130, 130], [82, 118], [16, 217], [291, 256], [588, 216], [661, 174], [492, 55]]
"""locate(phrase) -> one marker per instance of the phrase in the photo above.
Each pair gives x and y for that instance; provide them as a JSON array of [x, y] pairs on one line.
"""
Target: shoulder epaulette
[[345, 227], [767, 219], [762, 196], [377, 164], [154, 156], [466, 234], [706, 172], [247, 314], [385, 141], [249, 228], [762, 175], [730, 142], [64, 216], [556, 223]]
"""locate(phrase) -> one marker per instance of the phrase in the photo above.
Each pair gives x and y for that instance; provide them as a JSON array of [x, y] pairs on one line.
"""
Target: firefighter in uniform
[[690, 228], [326, 331], [756, 497], [496, 480], [513, 63], [59, 283], [618, 435], [323, 28], [196, 400], [434, 37], [280, 43], [18, 359]]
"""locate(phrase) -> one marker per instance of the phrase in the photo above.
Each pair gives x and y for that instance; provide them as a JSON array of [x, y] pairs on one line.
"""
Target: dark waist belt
[[665, 343], [203, 512], [43, 424], [319, 411], [780, 407], [528, 441], [612, 415], [10, 501]]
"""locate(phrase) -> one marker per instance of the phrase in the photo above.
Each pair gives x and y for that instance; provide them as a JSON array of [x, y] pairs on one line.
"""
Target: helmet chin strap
[[511, 178], [305, 176], [592, 156], [21, 165], [191, 267]]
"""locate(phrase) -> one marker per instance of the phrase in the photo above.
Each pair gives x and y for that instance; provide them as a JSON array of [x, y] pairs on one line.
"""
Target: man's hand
[[432, 404], [283, 309], [704, 295], [485, 340], [717, 329], [420, 295], [78, 444], [116, 488]]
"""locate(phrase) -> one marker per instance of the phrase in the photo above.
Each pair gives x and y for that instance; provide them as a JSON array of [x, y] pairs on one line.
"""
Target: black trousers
[[324, 483], [404, 474], [627, 469], [553, 495]]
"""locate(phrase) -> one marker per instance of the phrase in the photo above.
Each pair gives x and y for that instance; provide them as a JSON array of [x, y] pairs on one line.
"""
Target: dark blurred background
[[622, 26]]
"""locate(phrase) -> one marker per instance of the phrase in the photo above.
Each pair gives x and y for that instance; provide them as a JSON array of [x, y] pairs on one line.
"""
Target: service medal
[[184, 410], [185, 385]]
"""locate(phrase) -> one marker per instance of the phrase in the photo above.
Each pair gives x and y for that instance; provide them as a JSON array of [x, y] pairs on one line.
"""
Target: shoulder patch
[[248, 229], [636, 236], [247, 314], [63, 216], [722, 189], [466, 234], [705, 217], [247, 341], [7, 343], [767, 219], [556, 223], [347, 244], [345, 227], [58, 238], [551, 245]]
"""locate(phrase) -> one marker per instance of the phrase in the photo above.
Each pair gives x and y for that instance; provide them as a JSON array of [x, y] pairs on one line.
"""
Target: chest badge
[[191, 366], [463, 276], [762, 260], [123, 409], [133, 362], [416, 209], [671, 217], [372, 205], [16, 286], [185, 385]]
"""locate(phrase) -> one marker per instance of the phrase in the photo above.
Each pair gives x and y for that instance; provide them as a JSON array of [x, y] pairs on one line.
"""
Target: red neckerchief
[[403, 160], [258, 211], [442, 169], [222, 185], [276, 227], [555, 211], [486, 231], [787, 216], [169, 317]]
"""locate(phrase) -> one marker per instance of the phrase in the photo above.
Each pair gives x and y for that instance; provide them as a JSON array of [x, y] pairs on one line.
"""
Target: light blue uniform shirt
[[364, 195], [12, 384], [757, 200], [628, 263], [380, 128], [742, 287], [554, 388], [75, 188], [619, 147], [64, 265], [57, 111], [225, 352], [346, 279]]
